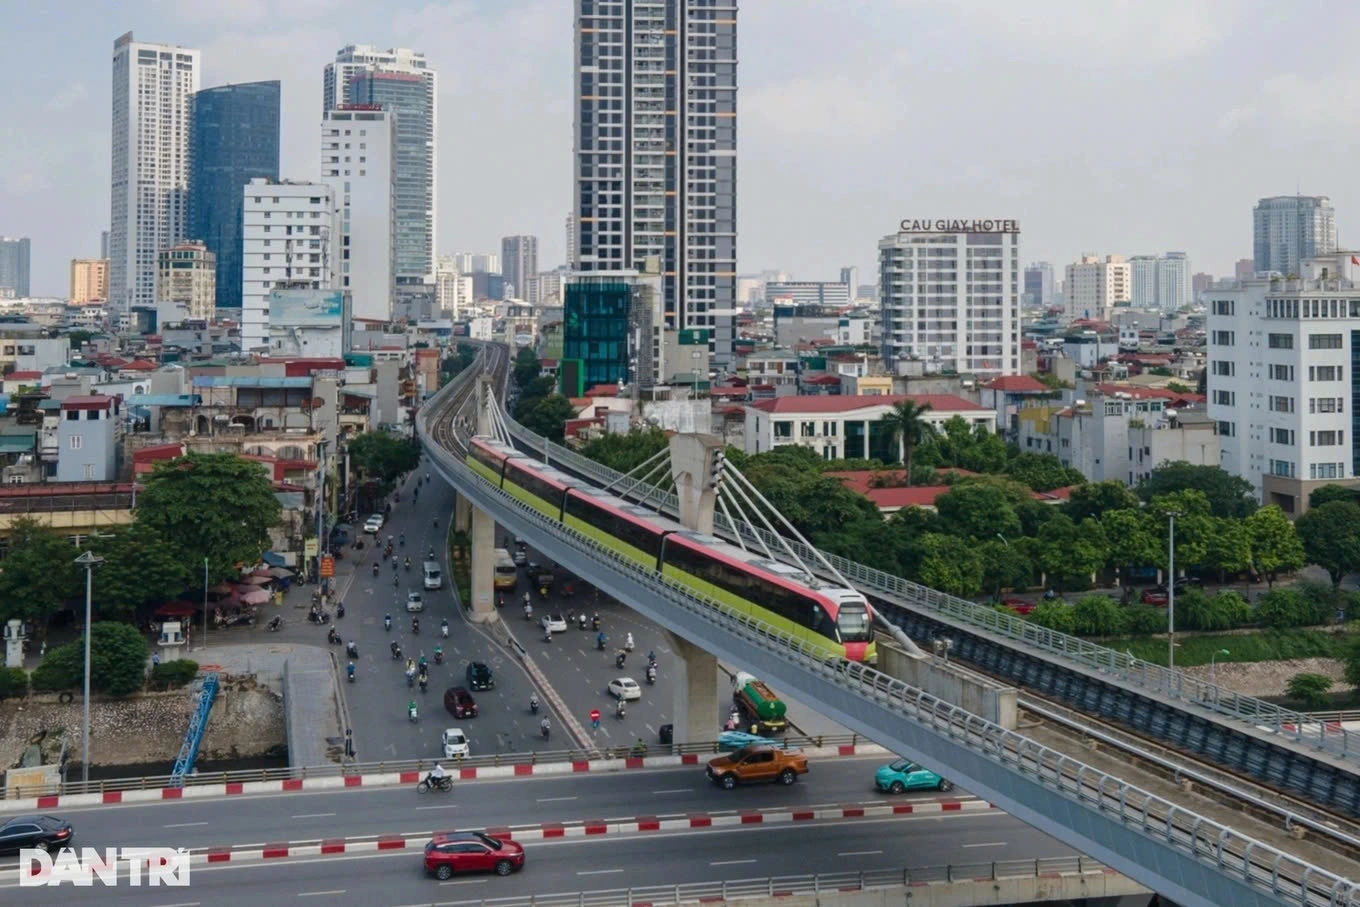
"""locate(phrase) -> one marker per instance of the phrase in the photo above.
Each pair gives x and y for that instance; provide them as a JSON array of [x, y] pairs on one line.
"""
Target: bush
[[1144, 620], [1098, 615], [1238, 610], [1310, 689], [172, 674], [1321, 599], [1197, 611], [118, 654], [62, 669], [1282, 609], [13, 683], [1054, 616]]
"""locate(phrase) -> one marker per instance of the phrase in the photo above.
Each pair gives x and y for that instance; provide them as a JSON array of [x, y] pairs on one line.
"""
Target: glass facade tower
[[596, 318], [233, 138]]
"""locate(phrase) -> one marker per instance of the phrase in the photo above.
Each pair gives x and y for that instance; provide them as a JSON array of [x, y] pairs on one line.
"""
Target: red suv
[[472, 851], [460, 703]]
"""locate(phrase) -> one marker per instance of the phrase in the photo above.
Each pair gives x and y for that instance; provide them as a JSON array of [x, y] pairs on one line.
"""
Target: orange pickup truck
[[757, 763]]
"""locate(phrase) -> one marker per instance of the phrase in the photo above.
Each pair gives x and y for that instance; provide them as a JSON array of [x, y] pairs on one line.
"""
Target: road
[[570, 865], [546, 798]]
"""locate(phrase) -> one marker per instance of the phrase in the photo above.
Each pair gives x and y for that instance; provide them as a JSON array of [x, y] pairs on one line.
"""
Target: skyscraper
[[1039, 284], [655, 144], [359, 163], [1093, 287], [519, 266], [14, 264], [401, 81], [233, 138], [153, 87], [1288, 229]]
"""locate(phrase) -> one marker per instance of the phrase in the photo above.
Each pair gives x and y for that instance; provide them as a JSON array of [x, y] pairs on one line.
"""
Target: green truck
[[758, 704]]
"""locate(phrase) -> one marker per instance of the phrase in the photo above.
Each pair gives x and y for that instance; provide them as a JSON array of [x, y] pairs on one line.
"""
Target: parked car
[[1018, 605], [1157, 595], [455, 743], [472, 851], [479, 677], [460, 703], [904, 775], [625, 688], [41, 832], [374, 523]]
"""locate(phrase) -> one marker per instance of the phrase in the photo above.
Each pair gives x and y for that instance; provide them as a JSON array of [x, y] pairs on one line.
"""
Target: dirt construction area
[[247, 720]]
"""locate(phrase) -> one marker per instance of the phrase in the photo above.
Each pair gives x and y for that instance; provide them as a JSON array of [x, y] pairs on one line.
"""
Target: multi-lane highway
[[594, 864]]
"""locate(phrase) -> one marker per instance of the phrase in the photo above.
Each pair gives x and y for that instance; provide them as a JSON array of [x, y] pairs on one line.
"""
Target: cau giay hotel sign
[[959, 226]]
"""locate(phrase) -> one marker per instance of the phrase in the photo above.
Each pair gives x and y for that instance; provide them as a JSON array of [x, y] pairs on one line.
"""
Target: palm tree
[[908, 427]]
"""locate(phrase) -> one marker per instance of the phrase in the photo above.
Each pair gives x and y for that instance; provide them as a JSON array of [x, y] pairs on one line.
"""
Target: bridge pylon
[[483, 525]]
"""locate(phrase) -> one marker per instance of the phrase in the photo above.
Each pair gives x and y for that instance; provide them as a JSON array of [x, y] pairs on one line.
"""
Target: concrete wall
[[1076, 887], [949, 681]]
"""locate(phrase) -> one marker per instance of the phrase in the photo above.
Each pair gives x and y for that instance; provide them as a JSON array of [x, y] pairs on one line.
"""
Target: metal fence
[[784, 886], [1198, 838]]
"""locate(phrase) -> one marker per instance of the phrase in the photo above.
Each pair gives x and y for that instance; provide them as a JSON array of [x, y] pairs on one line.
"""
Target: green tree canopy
[[526, 367], [1042, 472], [907, 425], [1006, 565], [459, 359], [950, 564], [1194, 527], [1094, 499], [789, 478], [211, 505], [962, 445], [118, 654], [1228, 495], [1228, 546], [384, 457], [1331, 538], [1131, 544], [977, 511], [1069, 552], [625, 451], [1328, 493], [1275, 544], [140, 568], [39, 574], [547, 416]]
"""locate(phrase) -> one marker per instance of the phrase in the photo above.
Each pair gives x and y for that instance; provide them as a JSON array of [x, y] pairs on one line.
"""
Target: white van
[[433, 578]]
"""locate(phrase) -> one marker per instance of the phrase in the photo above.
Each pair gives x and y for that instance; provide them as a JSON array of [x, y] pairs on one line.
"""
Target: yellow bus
[[506, 572]]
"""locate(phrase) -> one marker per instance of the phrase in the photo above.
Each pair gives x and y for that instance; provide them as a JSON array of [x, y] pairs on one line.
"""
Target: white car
[[625, 688], [374, 524], [455, 744], [414, 602], [554, 623]]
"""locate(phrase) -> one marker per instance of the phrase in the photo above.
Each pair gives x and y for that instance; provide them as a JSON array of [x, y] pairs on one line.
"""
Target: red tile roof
[[1016, 384], [93, 401], [139, 365], [913, 496], [823, 380], [1147, 393], [23, 376], [858, 480], [845, 403]]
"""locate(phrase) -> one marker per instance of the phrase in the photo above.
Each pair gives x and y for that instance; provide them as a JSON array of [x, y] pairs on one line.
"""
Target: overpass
[[1186, 857]]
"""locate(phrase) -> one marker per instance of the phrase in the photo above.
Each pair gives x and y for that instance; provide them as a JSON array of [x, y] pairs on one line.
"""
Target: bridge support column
[[695, 704], [462, 514], [694, 460], [483, 566]]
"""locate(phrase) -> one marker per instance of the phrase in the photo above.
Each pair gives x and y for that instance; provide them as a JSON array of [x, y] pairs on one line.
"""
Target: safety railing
[[1233, 854], [1319, 730], [785, 886]]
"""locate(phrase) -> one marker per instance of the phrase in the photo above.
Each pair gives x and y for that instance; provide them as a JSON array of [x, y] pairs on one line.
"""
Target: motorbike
[[411, 711], [428, 784], [533, 706], [410, 679], [600, 641], [415, 627], [407, 564], [619, 659], [620, 711], [582, 622], [352, 649], [375, 569], [339, 610], [351, 673], [424, 683], [528, 612], [332, 637], [396, 651], [628, 643], [438, 655], [275, 624], [444, 629], [387, 623], [595, 623], [543, 729], [651, 674]]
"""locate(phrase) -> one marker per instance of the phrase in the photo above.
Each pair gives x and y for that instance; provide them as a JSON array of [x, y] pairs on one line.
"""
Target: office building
[[15, 257], [104, 244], [1245, 269], [89, 280], [400, 81], [1283, 355], [1039, 284], [850, 277], [453, 291], [1143, 282], [612, 331], [358, 162], [153, 89], [186, 275], [472, 263], [1288, 229], [808, 292], [233, 139], [951, 298], [290, 239], [655, 152], [519, 264], [1094, 286]]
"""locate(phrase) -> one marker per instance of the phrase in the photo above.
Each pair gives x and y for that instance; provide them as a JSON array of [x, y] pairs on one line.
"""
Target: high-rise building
[[1244, 269], [400, 81], [472, 263], [104, 244], [655, 146], [1201, 282], [1288, 229], [950, 298], [89, 280], [571, 240], [1094, 286], [453, 291], [519, 267], [1143, 282], [1159, 281], [358, 162], [808, 292], [187, 275], [15, 255], [850, 277], [290, 239], [233, 139], [1039, 284], [153, 89]]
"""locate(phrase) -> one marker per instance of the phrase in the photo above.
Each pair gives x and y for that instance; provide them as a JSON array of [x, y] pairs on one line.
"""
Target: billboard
[[307, 308]]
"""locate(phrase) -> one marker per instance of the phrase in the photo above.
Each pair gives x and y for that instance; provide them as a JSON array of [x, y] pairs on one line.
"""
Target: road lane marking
[[185, 824], [314, 816], [556, 799], [445, 806], [465, 882], [859, 853], [730, 862], [313, 894], [675, 790], [185, 904], [597, 872], [989, 844]]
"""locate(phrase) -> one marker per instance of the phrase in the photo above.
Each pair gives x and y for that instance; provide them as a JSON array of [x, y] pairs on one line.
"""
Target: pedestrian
[[155, 660]]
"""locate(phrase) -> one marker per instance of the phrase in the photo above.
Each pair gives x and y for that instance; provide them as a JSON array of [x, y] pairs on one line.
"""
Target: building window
[[1282, 373], [1223, 338], [1280, 341], [1224, 307], [1324, 341], [1227, 429], [1284, 468], [75, 442], [1281, 404], [783, 430], [1224, 367], [1326, 438], [1325, 405], [1222, 398], [1325, 373], [1283, 436]]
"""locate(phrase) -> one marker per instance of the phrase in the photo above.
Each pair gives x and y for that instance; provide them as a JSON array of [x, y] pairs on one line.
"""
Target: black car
[[43, 832], [479, 677]]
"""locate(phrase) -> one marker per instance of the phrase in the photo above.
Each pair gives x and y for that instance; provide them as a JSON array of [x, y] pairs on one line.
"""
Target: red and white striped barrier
[[386, 779]]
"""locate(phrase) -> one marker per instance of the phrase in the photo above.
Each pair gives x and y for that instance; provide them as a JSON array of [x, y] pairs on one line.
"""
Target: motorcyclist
[[533, 703], [620, 710], [411, 710], [628, 643], [396, 649], [351, 670], [407, 563], [651, 673], [415, 625], [544, 727], [600, 640], [352, 649], [423, 663], [436, 775], [401, 540], [444, 628], [375, 568], [410, 666], [438, 655], [387, 622]]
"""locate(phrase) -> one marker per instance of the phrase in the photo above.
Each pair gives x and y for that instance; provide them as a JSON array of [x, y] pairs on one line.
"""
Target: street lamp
[[205, 603], [1171, 591], [1212, 665], [89, 560]]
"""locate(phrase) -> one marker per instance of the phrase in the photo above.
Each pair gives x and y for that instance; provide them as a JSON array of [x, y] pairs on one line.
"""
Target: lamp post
[[320, 504], [89, 560], [1171, 591], [205, 603], [1213, 659]]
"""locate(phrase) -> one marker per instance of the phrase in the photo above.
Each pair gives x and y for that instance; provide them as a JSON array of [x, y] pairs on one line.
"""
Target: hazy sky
[[1125, 126]]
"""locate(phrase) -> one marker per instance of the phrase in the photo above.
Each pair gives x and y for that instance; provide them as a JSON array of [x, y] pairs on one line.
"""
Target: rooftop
[[1016, 384], [845, 403]]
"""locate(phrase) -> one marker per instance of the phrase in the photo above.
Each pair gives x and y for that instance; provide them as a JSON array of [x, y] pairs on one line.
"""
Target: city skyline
[[833, 116]]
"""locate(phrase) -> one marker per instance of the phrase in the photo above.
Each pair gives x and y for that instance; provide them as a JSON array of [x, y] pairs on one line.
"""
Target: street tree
[[907, 426], [1130, 544], [1006, 566], [950, 564], [1094, 499], [140, 567], [962, 445], [1331, 538], [1228, 495], [1328, 493], [1194, 526], [1070, 552], [213, 506], [118, 654], [526, 367], [1275, 544], [625, 451], [1042, 472], [1227, 548], [383, 457], [1313, 690], [977, 511], [548, 416], [39, 574]]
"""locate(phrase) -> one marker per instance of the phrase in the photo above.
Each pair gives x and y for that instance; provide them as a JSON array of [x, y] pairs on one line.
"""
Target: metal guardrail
[[1304, 728], [1232, 854], [193, 737], [784, 886]]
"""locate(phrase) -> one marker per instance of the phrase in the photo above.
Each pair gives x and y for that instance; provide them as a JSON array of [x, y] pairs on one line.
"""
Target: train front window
[[853, 623]]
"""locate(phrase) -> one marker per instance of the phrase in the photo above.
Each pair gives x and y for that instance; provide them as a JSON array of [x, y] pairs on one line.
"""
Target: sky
[[1107, 126]]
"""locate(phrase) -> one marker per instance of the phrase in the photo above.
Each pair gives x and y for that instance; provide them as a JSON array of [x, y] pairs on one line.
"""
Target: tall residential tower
[[519, 266], [153, 89], [655, 141], [15, 257], [1290, 229]]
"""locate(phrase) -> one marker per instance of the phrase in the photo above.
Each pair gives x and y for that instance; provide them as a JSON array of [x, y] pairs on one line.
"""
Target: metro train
[[822, 615]]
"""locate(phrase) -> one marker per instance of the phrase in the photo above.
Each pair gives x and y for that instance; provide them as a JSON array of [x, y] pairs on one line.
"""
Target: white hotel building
[[1283, 357], [951, 299]]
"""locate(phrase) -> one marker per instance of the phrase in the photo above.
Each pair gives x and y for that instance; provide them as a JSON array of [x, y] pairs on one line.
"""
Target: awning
[[273, 560], [280, 572], [256, 580], [177, 609], [221, 589], [256, 597]]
